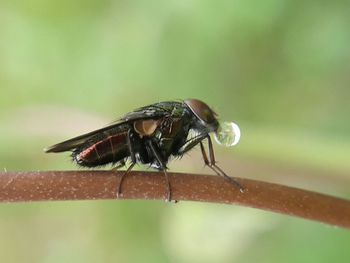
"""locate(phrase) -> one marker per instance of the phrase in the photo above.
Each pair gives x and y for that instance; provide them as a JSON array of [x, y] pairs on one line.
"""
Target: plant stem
[[89, 185]]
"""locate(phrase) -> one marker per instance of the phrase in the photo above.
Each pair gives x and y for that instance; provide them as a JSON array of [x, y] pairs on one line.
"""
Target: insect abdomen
[[110, 149]]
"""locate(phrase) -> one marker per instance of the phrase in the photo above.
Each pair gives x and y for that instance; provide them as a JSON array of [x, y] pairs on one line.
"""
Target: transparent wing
[[149, 112], [79, 140]]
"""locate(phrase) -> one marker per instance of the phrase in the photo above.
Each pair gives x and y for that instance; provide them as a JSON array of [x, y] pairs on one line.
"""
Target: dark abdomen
[[109, 148]]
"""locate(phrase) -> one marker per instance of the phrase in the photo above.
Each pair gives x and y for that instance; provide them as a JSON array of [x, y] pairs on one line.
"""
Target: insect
[[153, 135]]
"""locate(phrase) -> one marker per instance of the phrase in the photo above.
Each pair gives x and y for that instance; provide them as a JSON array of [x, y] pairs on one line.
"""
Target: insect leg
[[133, 162], [191, 144], [120, 165], [204, 155], [163, 167], [119, 192], [212, 164], [130, 147]]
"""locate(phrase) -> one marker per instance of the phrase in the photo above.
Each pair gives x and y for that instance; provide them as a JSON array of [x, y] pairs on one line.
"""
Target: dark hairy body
[[111, 146], [149, 135]]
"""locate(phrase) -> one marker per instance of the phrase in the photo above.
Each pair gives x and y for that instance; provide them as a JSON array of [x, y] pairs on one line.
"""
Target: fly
[[153, 135]]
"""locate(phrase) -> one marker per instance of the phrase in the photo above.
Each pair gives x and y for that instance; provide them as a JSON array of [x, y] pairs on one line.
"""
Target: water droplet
[[228, 134]]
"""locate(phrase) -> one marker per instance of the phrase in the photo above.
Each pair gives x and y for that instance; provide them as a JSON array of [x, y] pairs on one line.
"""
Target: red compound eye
[[201, 110]]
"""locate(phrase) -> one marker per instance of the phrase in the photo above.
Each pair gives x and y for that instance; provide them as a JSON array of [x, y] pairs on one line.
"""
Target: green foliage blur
[[279, 68]]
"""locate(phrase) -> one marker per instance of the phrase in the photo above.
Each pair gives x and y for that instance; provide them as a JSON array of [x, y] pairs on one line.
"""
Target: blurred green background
[[279, 68]]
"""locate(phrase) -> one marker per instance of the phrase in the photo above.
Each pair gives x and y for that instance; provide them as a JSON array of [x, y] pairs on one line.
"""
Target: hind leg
[[133, 162]]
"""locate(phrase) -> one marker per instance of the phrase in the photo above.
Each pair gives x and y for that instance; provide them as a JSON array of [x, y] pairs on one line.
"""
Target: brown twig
[[85, 185]]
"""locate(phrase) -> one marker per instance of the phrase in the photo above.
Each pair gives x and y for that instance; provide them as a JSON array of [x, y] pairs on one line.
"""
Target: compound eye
[[201, 110]]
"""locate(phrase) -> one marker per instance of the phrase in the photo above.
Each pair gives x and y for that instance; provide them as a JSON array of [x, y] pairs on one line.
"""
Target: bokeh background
[[279, 68]]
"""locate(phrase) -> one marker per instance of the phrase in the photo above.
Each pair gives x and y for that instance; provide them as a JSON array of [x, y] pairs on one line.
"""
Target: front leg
[[212, 164], [191, 144]]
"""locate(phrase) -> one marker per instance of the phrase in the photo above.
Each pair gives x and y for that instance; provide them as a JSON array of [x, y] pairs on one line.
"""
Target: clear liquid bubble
[[228, 134]]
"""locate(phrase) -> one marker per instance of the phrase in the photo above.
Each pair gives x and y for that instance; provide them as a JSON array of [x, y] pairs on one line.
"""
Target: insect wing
[[144, 113], [77, 141]]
